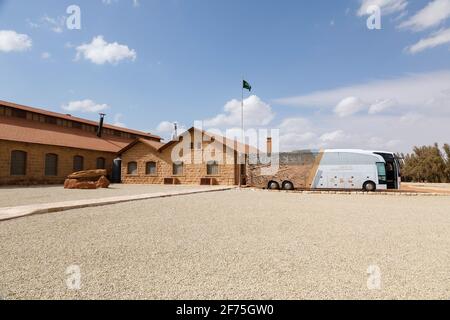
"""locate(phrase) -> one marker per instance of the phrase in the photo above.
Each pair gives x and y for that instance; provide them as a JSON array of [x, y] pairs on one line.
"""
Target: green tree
[[427, 164]]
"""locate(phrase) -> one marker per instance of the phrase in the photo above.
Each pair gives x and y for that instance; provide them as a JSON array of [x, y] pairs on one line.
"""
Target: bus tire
[[287, 185], [273, 185], [369, 186]]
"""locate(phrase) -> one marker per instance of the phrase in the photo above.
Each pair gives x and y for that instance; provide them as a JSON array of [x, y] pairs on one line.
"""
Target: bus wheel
[[287, 185], [369, 186], [273, 185]]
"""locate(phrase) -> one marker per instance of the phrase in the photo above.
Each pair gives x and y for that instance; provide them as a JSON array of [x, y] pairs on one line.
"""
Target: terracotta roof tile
[[15, 129], [71, 118]]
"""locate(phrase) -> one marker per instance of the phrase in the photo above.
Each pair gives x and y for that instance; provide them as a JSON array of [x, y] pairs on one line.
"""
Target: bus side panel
[[298, 168], [345, 176]]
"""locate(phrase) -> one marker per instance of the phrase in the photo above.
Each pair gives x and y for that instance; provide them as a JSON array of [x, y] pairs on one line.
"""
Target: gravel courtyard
[[18, 196], [234, 245]]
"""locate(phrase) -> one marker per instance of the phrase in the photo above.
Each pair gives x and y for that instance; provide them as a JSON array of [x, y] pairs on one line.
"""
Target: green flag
[[247, 86]]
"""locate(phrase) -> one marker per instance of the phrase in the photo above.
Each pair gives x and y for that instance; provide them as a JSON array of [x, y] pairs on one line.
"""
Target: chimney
[[269, 145], [175, 131], [100, 125]]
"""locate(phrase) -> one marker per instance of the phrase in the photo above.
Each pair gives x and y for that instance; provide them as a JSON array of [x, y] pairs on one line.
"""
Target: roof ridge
[[76, 119]]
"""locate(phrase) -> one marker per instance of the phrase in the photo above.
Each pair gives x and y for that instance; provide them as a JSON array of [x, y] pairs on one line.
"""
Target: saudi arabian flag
[[247, 86]]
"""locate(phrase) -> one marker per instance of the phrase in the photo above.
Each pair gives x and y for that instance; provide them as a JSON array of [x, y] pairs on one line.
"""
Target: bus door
[[391, 171]]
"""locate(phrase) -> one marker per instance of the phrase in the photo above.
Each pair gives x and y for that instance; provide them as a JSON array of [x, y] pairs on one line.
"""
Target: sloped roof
[[161, 146], [21, 130], [151, 143], [71, 118], [233, 144]]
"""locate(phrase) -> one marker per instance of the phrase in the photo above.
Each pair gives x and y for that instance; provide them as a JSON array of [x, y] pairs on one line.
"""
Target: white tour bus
[[357, 169]]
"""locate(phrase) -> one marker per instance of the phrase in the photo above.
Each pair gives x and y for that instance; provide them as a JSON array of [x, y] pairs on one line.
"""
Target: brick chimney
[[269, 145]]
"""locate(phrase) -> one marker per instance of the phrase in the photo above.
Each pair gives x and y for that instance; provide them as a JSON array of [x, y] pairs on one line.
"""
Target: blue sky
[[319, 74]]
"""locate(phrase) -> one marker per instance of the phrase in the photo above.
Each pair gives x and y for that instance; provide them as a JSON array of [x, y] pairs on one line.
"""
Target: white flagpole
[[242, 135]]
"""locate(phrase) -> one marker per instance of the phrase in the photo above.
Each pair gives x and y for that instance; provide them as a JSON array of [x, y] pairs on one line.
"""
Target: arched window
[[177, 168], [212, 168], [132, 168], [18, 163], [78, 163], [101, 163], [150, 168], [51, 165]]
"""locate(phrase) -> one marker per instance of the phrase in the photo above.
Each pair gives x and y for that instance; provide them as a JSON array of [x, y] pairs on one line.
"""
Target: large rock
[[103, 182], [90, 175], [86, 185], [87, 180], [75, 184], [70, 183]]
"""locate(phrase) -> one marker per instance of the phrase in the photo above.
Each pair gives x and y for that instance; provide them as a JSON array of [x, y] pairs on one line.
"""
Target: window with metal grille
[[78, 163], [150, 168], [101, 163], [18, 163], [177, 168], [132, 168], [51, 165], [212, 168], [50, 120], [19, 113]]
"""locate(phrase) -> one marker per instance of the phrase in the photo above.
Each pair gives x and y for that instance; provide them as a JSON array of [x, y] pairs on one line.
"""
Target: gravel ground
[[20, 196], [234, 245], [427, 187]]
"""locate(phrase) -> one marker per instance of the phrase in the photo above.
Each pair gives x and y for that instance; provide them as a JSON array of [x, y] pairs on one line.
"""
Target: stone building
[[43, 147], [196, 158]]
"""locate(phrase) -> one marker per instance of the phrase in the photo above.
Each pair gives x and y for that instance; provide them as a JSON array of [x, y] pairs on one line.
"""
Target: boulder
[[70, 183], [90, 175], [86, 185], [87, 180], [103, 182]]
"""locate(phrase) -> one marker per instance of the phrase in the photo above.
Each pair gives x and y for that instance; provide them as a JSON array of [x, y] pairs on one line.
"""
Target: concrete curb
[[22, 211], [378, 193]]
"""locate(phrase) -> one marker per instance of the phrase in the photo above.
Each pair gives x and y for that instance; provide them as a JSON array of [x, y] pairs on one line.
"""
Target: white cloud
[[387, 6], [136, 3], [101, 52], [394, 114], [436, 39], [84, 106], [381, 106], [349, 106], [426, 92], [166, 129], [411, 118], [46, 55], [296, 133], [398, 133], [256, 113], [169, 127], [335, 136], [432, 15], [295, 124], [56, 25], [12, 41], [118, 120]]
